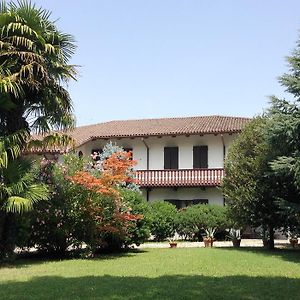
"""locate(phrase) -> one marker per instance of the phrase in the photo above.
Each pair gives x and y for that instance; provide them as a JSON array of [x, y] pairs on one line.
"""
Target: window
[[129, 150], [200, 201], [171, 157], [95, 153], [194, 202], [177, 203], [185, 203], [200, 157]]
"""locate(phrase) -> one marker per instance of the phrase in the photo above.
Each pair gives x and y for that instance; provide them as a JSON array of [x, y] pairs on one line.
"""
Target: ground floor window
[[184, 203], [175, 202]]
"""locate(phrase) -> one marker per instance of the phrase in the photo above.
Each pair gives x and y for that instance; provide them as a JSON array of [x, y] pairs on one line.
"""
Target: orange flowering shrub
[[117, 169], [112, 217]]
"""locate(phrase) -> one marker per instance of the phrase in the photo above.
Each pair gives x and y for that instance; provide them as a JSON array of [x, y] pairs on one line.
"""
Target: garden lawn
[[189, 273]]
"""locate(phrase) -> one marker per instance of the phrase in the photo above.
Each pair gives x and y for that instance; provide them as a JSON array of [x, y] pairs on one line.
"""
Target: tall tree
[[284, 136], [249, 186], [262, 181], [34, 57], [34, 71]]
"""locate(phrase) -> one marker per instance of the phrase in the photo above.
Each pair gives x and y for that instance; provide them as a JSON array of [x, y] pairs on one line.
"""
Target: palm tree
[[34, 71], [18, 188], [34, 57]]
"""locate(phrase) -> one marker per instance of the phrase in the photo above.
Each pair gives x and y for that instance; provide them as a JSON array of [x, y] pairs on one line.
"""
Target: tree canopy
[[262, 183], [34, 58]]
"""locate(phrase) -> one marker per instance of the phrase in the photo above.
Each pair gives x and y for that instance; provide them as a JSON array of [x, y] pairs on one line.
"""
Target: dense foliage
[[34, 68], [192, 221], [262, 184], [163, 216]]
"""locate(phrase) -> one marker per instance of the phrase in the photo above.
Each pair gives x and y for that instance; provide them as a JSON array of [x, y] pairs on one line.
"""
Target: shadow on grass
[[292, 255], [164, 287], [36, 258]]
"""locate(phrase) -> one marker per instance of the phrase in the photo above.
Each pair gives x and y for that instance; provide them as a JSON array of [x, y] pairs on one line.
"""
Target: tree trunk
[[271, 238], [8, 236], [14, 121]]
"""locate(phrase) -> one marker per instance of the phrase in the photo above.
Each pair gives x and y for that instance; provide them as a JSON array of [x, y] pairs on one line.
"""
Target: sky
[[176, 58]]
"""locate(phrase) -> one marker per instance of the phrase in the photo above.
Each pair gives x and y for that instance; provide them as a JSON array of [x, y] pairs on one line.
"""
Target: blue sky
[[170, 58]]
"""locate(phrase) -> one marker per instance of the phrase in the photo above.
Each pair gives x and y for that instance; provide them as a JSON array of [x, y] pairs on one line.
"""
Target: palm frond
[[11, 146]]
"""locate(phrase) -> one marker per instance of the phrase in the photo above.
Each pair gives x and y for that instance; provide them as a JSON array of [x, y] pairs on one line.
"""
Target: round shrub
[[193, 220], [163, 216]]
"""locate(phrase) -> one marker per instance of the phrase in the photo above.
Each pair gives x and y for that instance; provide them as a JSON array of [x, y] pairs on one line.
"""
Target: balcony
[[179, 178]]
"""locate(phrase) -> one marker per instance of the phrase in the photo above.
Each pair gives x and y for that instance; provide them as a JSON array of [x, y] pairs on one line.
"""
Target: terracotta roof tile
[[159, 127]]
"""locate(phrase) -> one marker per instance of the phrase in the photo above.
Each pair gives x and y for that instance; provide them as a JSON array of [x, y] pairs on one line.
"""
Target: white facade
[[212, 194], [217, 147], [156, 149]]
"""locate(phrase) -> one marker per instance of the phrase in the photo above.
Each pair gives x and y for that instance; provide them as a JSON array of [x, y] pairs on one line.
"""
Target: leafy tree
[[249, 186], [284, 137]]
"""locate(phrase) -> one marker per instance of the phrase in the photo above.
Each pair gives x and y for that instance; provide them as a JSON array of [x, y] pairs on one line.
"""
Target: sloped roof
[[159, 127]]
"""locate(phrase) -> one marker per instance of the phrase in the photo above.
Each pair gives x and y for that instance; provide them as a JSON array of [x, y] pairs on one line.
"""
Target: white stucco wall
[[156, 152], [214, 195]]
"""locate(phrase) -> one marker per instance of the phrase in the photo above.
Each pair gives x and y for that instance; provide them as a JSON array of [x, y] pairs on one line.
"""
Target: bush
[[60, 222], [186, 224], [139, 231], [163, 215], [88, 205], [193, 220]]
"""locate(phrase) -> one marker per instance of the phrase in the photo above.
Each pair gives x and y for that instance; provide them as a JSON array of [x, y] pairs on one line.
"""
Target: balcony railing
[[177, 178]]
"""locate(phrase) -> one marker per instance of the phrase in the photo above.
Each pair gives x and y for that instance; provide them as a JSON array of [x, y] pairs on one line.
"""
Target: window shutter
[[171, 157], [196, 157], [174, 158], [203, 157], [167, 158], [200, 157]]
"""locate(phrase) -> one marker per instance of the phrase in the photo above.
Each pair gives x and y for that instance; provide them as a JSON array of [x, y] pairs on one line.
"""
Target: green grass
[[190, 273]]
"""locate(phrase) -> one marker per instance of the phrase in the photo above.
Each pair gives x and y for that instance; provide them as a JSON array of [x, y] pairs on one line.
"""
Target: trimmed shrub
[[163, 215], [193, 220]]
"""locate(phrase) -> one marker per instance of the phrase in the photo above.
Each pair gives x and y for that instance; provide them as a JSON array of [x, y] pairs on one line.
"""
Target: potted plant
[[293, 238], [209, 237], [172, 243], [265, 237], [235, 236]]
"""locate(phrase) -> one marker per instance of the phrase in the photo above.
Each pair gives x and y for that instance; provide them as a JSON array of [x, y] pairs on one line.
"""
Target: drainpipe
[[147, 147], [222, 138], [224, 153]]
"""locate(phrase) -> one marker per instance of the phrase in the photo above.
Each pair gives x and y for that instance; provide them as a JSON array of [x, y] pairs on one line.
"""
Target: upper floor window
[[95, 153], [200, 157], [129, 150], [171, 157]]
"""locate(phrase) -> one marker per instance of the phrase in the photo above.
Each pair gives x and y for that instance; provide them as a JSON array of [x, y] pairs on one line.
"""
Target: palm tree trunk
[[8, 229], [8, 235]]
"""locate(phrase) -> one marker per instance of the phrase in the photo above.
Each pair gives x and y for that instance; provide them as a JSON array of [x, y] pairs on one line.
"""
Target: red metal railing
[[183, 177]]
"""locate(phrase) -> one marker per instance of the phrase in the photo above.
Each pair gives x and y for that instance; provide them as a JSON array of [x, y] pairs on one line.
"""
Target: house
[[179, 160]]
